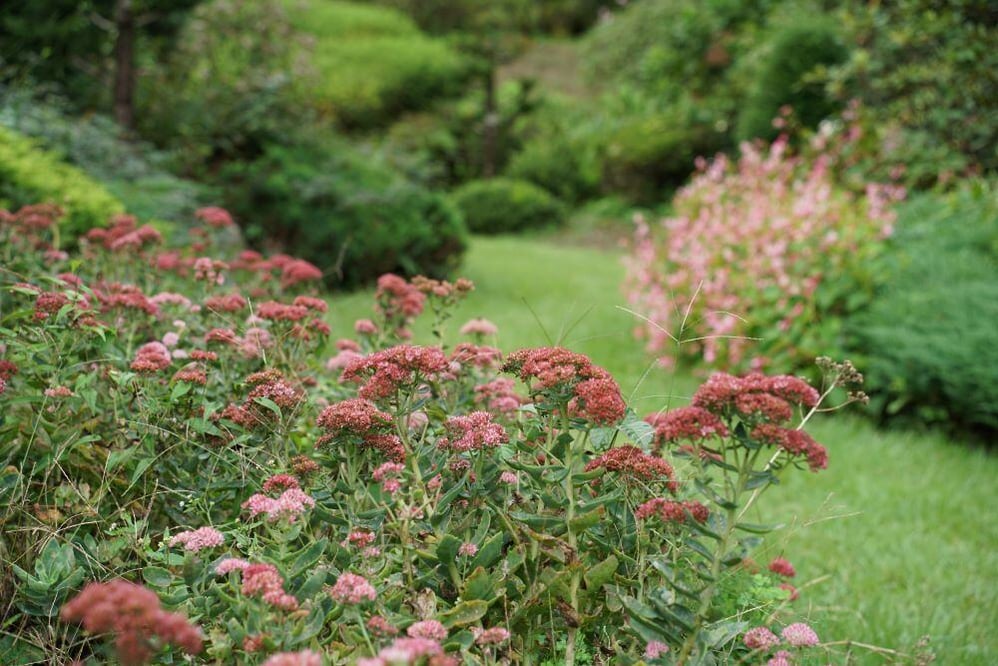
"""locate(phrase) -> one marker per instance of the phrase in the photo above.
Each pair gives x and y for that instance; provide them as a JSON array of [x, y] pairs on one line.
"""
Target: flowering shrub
[[175, 436], [762, 257]]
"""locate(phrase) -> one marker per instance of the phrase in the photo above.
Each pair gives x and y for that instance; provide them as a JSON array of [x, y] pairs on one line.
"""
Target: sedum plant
[[188, 474]]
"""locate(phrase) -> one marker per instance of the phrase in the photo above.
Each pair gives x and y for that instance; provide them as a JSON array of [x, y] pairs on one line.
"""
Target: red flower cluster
[[192, 374], [473, 432], [355, 416], [297, 271], [124, 296], [151, 357], [275, 311], [467, 353], [123, 234], [782, 567], [133, 614], [633, 462], [386, 371], [227, 303], [361, 420], [686, 423], [397, 299], [499, 395], [721, 392], [550, 367], [214, 216], [598, 401], [672, 511], [265, 581], [794, 442]]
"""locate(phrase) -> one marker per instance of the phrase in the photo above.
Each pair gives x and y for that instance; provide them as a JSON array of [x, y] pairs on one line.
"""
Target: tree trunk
[[490, 130], [124, 65]]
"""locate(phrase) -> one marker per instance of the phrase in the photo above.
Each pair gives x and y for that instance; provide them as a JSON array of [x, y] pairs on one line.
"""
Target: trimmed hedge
[[353, 219], [30, 174], [504, 205]]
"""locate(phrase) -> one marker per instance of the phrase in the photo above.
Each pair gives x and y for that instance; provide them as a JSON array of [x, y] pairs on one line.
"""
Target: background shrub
[[760, 260], [132, 171], [29, 174], [901, 52], [789, 77], [352, 218], [563, 167], [929, 341], [503, 205], [646, 157], [371, 62]]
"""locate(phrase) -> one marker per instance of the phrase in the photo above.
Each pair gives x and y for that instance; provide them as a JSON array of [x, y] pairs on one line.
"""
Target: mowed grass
[[896, 540]]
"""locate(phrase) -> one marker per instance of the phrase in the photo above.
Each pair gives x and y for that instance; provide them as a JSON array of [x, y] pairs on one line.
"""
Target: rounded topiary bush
[[353, 219], [502, 205]]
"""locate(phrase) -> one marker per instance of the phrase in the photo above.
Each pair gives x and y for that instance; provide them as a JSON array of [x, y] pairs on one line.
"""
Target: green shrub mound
[[787, 79], [504, 205], [930, 341], [353, 219], [372, 63], [30, 174], [559, 165], [648, 156]]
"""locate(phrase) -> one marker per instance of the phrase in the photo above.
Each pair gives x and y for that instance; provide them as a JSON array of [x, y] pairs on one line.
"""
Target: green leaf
[[758, 529], [307, 557], [447, 549], [580, 524], [157, 576], [601, 573], [465, 613], [479, 585], [490, 552], [180, 389]]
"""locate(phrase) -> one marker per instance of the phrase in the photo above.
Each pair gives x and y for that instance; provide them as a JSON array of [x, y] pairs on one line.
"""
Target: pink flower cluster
[[265, 581], [214, 216], [630, 461], [593, 393], [397, 299], [303, 658], [491, 636], [753, 394], [151, 357], [360, 421], [795, 442], [598, 401], [686, 423], [479, 327], [131, 612], [782, 567], [499, 395], [760, 638], [431, 629], [672, 511], [290, 504], [199, 539], [764, 235], [474, 432], [352, 589], [384, 372]]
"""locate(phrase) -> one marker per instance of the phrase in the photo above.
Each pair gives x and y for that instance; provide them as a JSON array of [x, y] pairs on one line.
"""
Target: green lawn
[[897, 536]]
